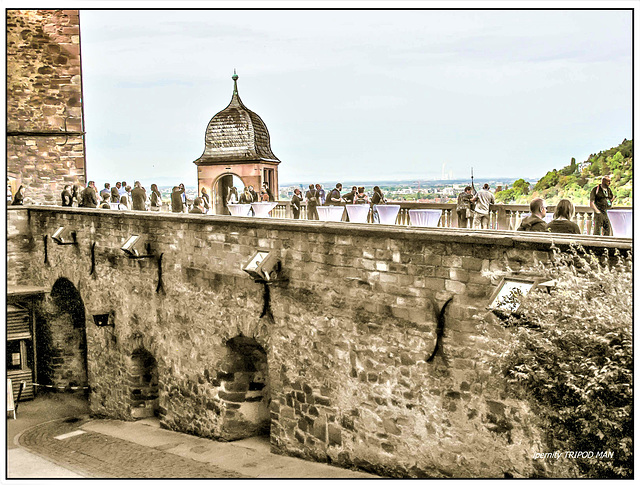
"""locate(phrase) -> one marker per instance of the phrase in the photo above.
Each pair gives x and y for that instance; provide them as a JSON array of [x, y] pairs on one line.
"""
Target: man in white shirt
[[483, 200]]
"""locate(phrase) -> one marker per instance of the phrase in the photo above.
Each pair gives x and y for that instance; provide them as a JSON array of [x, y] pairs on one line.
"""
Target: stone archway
[[61, 340], [142, 388], [220, 192], [245, 389]]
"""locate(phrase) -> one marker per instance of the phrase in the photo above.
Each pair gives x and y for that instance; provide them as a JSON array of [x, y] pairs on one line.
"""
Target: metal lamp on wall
[[64, 235], [263, 266]]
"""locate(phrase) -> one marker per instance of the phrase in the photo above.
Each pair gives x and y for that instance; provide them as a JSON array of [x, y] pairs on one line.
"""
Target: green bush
[[570, 355]]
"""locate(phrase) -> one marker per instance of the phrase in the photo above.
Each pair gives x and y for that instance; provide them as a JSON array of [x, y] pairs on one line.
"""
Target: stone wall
[[347, 336], [44, 98]]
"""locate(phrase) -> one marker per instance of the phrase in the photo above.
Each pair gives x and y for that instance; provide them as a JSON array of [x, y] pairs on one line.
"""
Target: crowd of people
[[316, 196], [122, 197], [474, 209]]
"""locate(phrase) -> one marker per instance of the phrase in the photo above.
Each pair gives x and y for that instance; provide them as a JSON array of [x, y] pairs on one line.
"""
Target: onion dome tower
[[236, 143]]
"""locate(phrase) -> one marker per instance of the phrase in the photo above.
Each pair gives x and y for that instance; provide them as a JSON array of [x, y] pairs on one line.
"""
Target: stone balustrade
[[506, 217]]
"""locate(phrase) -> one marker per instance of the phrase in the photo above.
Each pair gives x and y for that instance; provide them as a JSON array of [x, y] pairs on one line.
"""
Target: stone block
[[456, 287], [320, 429], [232, 396], [334, 434]]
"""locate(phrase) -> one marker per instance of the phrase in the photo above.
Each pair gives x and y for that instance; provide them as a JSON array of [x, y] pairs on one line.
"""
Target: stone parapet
[[347, 333]]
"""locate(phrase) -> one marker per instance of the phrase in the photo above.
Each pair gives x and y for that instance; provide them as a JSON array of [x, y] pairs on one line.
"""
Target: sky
[[358, 94]]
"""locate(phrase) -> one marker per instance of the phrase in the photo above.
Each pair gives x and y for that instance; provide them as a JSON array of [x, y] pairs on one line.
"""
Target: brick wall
[[347, 339], [44, 97]]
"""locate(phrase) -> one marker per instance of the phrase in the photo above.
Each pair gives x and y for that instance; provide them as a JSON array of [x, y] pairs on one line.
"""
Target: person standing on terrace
[[313, 200], [138, 197], [535, 221], [600, 200], [321, 194], [295, 203], [176, 199], [361, 197], [89, 197], [115, 193], [233, 196], [334, 197], [463, 208], [205, 200], [106, 190], [483, 199], [67, 200], [156, 198], [351, 195]]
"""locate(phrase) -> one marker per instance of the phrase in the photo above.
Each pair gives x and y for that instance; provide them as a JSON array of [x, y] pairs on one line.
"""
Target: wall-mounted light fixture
[[137, 248], [504, 296], [102, 320], [64, 235], [263, 266]]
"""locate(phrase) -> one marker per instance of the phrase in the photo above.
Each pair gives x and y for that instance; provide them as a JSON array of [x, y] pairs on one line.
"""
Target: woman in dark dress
[[562, 216], [18, 199]]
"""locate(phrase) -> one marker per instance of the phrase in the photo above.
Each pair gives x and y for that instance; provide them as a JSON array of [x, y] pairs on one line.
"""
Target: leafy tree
[[570, 355], [505, 196], [521, 186]]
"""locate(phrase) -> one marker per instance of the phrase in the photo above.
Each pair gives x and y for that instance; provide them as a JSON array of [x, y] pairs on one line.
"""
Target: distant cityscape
[[438, 191]]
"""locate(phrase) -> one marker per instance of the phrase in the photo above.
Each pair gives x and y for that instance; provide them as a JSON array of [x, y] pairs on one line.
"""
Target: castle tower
[[236, 143], [45, 122]]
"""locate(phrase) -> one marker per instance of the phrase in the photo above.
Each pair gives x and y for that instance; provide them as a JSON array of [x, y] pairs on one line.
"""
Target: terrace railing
[[502, 216]]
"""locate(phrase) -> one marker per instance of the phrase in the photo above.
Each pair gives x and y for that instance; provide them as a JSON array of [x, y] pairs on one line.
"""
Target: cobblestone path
[[99, 456]]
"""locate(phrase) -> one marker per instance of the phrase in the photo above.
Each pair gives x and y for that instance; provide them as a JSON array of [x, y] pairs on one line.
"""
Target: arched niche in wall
[[67, 298], [61, 341], [245, 388], [142, 393]]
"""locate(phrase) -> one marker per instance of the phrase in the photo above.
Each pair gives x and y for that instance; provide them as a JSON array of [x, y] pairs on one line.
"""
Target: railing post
[[501, 220]]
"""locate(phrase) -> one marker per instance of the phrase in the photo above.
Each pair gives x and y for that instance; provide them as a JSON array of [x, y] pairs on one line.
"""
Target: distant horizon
[[331, 183]]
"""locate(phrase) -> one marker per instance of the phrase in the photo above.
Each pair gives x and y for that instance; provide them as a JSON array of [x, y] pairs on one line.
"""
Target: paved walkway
[[95, 448]]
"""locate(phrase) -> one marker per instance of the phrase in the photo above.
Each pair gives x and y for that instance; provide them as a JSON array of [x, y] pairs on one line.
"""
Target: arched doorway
[[61, 340], [220, 191], [245, 389], [142, 380]]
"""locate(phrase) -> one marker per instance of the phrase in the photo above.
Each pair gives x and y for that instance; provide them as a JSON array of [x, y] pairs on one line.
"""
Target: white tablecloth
[[262, 209], [425, 217], [357, 212], [330, 212], [387, 213], [621, 222], [241, 210]]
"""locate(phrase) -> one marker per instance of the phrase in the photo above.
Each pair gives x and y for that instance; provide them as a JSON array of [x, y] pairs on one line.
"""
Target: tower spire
[[235, 82]]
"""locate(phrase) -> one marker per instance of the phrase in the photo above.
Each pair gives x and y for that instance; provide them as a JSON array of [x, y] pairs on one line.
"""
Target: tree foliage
[[575, 181], [570, 355]]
